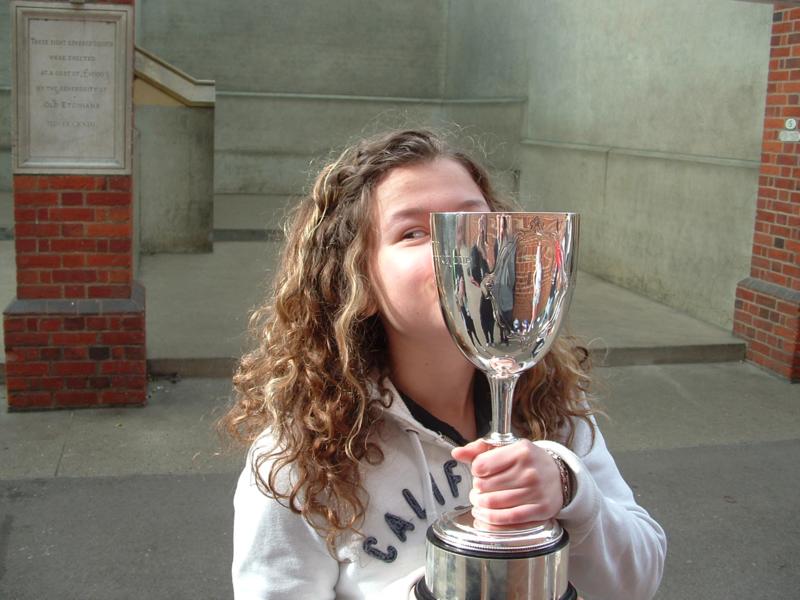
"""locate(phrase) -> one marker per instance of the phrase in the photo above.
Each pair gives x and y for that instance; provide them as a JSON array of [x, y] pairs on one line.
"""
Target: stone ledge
[[248, 235], [82, 306], [771, 289], [177, 368], [663, 355]]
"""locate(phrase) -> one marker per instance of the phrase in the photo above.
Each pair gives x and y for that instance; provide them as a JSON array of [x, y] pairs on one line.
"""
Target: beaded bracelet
[[566, 488]]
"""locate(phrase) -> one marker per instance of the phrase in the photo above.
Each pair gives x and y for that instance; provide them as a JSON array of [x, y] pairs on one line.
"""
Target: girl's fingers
[[501, 499], [501, 458], [518, 515], [512, 478], [468, 453], [512, 485]]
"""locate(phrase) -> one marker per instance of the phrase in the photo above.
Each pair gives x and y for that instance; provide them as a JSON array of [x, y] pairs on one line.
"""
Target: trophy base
[[466, 560], [421, 592]]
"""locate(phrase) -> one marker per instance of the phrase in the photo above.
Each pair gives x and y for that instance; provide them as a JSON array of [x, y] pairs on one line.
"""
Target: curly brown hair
[[320, 345]]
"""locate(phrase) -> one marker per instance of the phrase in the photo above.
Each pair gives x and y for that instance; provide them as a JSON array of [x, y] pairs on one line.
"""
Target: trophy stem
[[502, 388]]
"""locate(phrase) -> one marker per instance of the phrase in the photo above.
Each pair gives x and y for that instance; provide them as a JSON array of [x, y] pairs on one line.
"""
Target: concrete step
[[249, 217], [623, 328]]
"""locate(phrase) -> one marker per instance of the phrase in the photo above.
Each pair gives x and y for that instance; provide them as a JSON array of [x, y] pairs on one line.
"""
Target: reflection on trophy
[[505, 281]]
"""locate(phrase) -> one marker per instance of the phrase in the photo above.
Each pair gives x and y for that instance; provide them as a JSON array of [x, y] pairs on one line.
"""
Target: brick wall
[[73, 236], [767, 312]]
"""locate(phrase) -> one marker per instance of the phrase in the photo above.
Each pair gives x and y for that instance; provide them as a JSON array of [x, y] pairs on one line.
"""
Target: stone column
[[767, 311], [75, 333]]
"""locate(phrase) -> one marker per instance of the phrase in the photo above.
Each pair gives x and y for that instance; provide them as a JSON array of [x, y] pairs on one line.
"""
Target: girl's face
[[402, 264]]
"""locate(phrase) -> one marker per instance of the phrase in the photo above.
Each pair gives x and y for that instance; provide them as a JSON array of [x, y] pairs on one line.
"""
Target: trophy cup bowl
[[505, 282]]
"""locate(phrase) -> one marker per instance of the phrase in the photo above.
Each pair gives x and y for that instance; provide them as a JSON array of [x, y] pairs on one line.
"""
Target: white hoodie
[[616, 549]]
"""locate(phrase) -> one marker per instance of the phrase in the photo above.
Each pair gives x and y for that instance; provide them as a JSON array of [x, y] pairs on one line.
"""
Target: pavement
[[136, 503]]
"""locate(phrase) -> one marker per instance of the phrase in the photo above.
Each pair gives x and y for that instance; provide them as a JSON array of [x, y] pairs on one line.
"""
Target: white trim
[[386, 99], [641, 153], [172, 81]]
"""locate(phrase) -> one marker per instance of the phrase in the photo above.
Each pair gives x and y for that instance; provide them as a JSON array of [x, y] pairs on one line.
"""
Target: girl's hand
[[512, 485]]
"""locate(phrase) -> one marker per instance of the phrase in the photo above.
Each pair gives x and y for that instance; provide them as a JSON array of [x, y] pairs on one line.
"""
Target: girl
[[364, 418]]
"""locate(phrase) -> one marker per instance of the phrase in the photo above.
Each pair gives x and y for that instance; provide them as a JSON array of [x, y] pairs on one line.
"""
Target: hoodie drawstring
[[431, 506]]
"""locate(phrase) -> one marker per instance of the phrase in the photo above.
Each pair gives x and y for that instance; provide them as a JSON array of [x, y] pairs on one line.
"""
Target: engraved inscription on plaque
[[72, 90]]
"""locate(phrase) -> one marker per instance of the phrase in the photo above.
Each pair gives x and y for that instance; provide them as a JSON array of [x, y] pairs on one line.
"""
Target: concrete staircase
[[198, 304], [216, 292]]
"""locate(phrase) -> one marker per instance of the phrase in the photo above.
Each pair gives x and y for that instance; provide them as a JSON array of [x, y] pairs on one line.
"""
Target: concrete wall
[[175, 183], [678, 231], [486, 50], [646, 117], [5, 44], [5, 139], [683, 76], [5, 97], [270, 145], [347, 47]]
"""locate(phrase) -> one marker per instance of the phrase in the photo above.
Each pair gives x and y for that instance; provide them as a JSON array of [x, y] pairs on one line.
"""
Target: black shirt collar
[[483, 412]]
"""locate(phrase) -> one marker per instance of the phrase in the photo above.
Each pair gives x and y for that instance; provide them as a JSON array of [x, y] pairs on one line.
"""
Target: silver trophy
[[505, 282]]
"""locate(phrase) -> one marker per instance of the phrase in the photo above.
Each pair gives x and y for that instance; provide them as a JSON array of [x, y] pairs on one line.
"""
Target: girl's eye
[[414, 234]]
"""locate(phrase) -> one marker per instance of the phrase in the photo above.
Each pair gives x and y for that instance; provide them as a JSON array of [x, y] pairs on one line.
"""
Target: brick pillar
[[75, 333], [767, 311]]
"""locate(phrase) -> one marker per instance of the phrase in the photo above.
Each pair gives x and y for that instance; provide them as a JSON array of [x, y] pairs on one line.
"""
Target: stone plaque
[[789, 136], [73, 73]]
